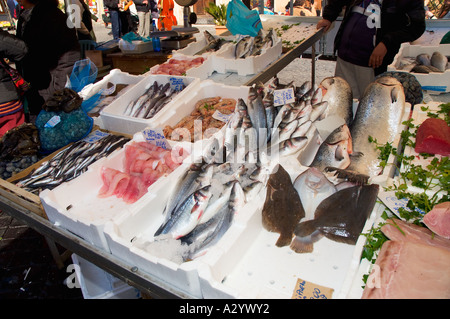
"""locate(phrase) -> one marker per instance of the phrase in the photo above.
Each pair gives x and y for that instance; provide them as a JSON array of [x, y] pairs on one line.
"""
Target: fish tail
[[283, 240], [305, 244]]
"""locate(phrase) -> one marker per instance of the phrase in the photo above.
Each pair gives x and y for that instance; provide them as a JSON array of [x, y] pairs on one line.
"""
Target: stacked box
[[434, 82]]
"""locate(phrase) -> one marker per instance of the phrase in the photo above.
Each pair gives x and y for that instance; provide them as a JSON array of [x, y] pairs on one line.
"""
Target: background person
[[53, 50], [11, 106], [116, 23], [364, 47], [144, 14]]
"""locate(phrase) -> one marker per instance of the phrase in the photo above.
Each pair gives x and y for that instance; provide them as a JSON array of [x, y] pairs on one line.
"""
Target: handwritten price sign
[[307, 290]]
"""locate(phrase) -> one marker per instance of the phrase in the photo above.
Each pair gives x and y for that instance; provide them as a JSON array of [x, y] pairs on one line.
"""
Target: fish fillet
[[406, 270], [396, 229], [438, 219]]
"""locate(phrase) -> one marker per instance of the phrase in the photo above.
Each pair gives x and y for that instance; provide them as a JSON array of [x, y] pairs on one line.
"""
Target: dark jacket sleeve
[[334, 7], [406, 25], [12, 47]]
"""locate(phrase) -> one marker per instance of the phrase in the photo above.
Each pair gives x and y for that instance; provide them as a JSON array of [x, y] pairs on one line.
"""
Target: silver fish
[[338, 93], [293, 145], [257, 114], [378, 115], [335, 150], [212, 43], [185, 217], [439, 61], [243, 47]]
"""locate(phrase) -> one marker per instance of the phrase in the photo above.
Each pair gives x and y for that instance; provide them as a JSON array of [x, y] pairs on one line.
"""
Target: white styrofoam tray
[[95, 283], [75, 206], [126, 235], [433, 82], [200, 90], [225, 61], [253, 267], [201, 72], [113, 118], [115, 76]]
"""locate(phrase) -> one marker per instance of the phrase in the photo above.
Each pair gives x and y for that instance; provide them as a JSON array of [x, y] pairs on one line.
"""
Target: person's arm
[[330, 13], [12, 47]]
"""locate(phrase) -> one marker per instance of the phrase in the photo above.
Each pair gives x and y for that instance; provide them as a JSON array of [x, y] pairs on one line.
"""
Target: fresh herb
[[433, 180], [375, 239], [208, 107]]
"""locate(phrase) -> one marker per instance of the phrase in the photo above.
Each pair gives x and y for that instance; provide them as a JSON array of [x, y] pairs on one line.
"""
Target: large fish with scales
[[379, 115]]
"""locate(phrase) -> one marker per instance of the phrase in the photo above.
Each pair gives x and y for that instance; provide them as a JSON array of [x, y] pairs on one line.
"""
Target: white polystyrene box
[[200, 90], [201, 72], [225, 61], [266, 271], [433, 82], [95, 283], [75, 206], [113, 118], [115, 76], [123, 232]]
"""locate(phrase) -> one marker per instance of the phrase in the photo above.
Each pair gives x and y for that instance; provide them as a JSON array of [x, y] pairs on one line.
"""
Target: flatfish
[[282, 209], [339, 217]]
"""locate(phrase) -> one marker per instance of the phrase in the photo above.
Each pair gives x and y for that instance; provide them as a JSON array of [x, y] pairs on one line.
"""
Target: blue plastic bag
[[242, 20], [84, 72]]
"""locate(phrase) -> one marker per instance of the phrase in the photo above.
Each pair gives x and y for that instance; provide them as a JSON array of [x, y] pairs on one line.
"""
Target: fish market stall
[[238, 216]]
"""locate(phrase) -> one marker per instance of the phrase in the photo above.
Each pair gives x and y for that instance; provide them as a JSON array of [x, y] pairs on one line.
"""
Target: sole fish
[[339, 217], [282, 208]]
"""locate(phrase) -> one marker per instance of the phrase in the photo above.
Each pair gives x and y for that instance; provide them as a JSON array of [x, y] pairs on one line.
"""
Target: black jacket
[[141, 7], [401, 21], [47, 37], [13, 49]]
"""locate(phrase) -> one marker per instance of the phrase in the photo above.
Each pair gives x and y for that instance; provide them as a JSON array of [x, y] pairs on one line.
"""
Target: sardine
[[282, 208], [340, 217]]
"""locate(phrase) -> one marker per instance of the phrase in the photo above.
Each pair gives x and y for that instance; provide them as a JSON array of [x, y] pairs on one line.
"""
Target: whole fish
[[282, 208], [335, 150], [184, 218], [340, 217], [378, 115], [212, 43], [292, 145], [257, 114], [439, 61], [423, 59], [338, 93], [243, 47], [313, 187]]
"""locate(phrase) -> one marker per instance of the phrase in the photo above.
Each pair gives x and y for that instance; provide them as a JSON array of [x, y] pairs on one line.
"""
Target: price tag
[[221, 117], [53, 121], [95, 136], [156, 137], [393, 203], [284, 96], [307, 290], [177, 84]]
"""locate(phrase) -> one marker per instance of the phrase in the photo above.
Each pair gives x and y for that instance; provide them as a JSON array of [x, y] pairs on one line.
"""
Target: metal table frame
[[146, 283]]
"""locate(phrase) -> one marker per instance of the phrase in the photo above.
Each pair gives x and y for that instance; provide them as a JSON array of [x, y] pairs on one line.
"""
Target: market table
[[26, 209]]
